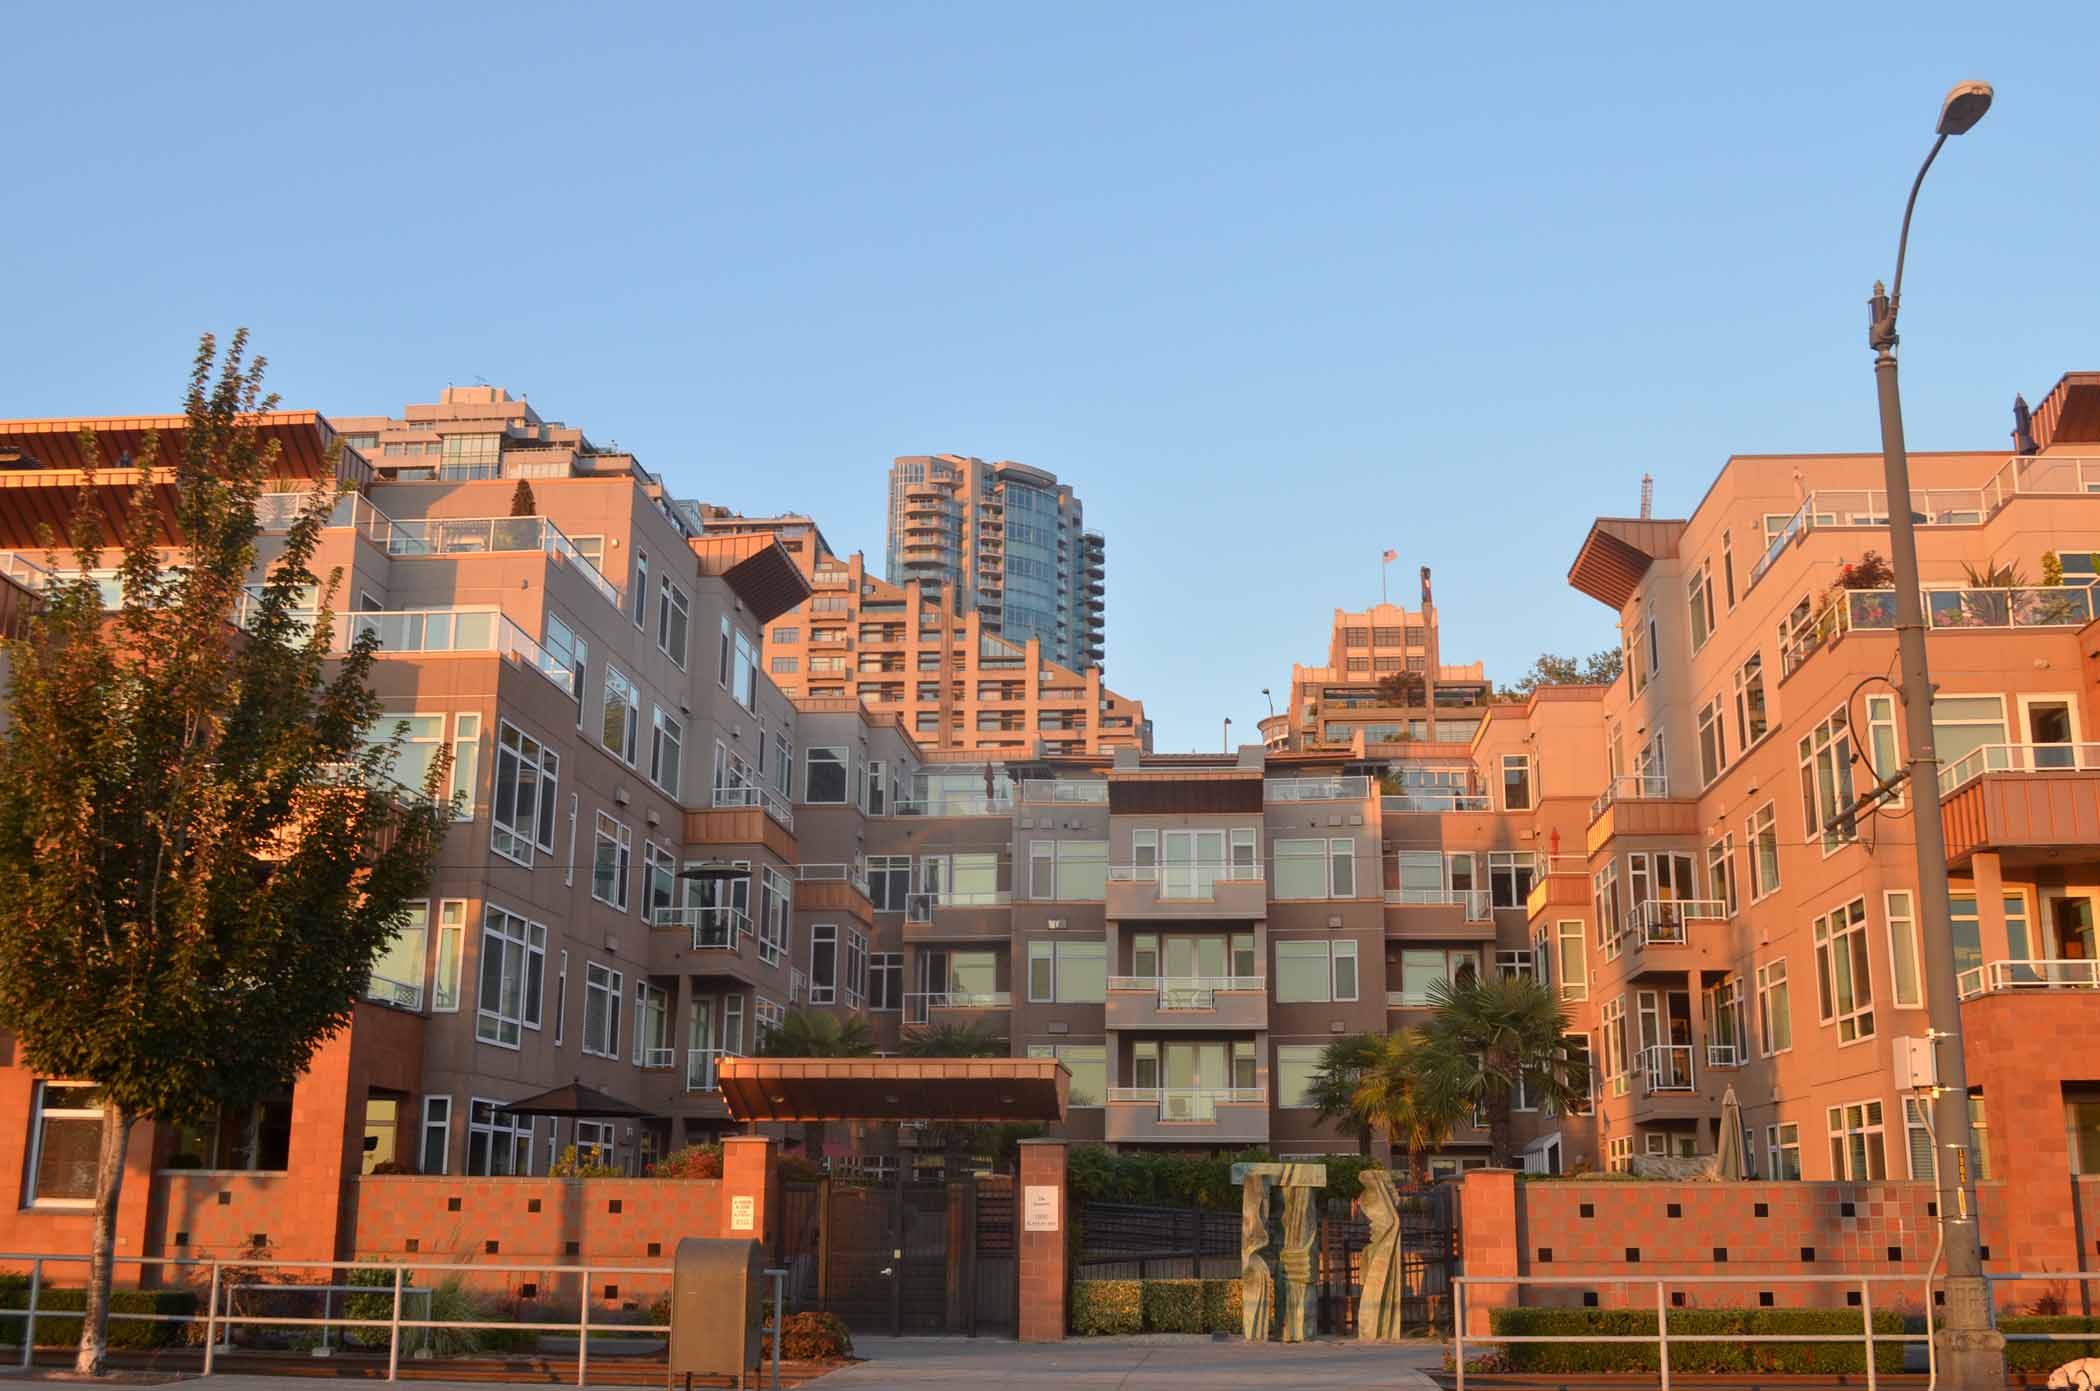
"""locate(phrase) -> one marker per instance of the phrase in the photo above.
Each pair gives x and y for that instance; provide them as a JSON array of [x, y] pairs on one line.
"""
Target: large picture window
[[513, 968], [65, 1144], [527, 786], [1844, 984], [1315, 971], [825, 781]]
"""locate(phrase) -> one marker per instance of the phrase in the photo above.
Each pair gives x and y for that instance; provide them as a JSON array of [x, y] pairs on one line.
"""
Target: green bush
[[1107, 1306], [1722, 1356], [57, 1330], [1221, 1306], [1172, 1306], [2046, 1357], [1095, 1175]]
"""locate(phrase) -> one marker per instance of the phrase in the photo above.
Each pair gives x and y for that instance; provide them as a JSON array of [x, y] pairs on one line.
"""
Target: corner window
[[666, 750], [65, 1144], [1751, 719], [641, 587]]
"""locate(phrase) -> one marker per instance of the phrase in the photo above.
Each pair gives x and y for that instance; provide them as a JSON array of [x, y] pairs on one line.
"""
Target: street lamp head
[[1964, 107]]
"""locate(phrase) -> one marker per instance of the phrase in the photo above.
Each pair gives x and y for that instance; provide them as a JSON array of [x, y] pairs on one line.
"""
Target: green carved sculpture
[[1261, 1262], [1378, 1311]]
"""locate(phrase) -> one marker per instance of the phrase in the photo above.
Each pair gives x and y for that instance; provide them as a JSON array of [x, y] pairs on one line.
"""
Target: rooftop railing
[[2018, 758], [1337, 789], [1997, 976], [439, 536]]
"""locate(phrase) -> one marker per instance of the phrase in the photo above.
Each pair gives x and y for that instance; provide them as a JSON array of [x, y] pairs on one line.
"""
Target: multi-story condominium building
[[1384, 682], [1008, 541], [948, 676]]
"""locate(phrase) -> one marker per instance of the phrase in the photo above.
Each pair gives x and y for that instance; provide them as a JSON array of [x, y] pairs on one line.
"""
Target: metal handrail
[[757, 795], [953, 804], [715, 928], [1087, 790], [1474, 901], [1352, 788], [394, 992], [2065, 974], [1630, 787], [437, 536], [1188, 992], [919, 1005], [1668, 1067], [1188, 881], [700, 1067], [1726, 1055], [2018, 758], [1661, 921], [855, 874], [1198, 1105]]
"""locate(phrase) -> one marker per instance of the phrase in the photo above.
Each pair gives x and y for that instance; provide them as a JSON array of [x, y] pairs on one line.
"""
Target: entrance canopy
[[973, 1090]]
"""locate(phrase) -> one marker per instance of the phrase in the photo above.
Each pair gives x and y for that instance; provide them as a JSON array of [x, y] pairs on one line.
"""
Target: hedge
[[1102, 1307], [1722, 1356], [1097, 1176], [61, 1331], [2047, 1357]]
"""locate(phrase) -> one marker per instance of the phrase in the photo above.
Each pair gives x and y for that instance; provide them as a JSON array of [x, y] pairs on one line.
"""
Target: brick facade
[[1042, 1254]]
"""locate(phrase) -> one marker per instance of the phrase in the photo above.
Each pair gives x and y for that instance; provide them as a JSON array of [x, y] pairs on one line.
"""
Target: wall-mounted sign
[[743, 1213], [1039, 1209]]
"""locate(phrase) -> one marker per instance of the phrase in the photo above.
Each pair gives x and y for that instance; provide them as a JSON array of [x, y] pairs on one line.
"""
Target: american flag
[[1391, 556]]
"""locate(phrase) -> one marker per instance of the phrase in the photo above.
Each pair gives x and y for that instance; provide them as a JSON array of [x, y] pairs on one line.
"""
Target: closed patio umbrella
[[1729, 1158]]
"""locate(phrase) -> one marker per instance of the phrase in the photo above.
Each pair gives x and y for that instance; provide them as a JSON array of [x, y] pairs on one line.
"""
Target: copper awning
[[1617, 553], [758, 569], [975, 1090]]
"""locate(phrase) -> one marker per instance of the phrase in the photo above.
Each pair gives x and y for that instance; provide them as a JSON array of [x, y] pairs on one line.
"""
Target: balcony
[[1187, 890], [1188, 1115], [776, 806], [1564, 884], [1665, 922], [954, 1006], [1726, 1055], [1439, 915], [1433, 801], [1946, 610], [483, 535], [701, 1067], [398, 993], [2040, 797], [853, 875], [713, 929], [1339, 789], [1665, 1067], [1629, 787], [401, 632], [2001, 977], [919, 908], [954, 805], [1188, 1002], [1639, 805]]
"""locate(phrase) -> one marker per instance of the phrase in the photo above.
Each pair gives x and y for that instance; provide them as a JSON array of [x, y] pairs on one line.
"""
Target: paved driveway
[[1151, 1363]]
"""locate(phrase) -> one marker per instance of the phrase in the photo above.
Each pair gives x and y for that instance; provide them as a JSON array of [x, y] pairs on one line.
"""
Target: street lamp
[[1272, 701], [1970, 1351]]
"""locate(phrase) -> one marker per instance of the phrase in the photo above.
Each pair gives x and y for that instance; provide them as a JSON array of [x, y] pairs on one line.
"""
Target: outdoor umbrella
[[1728, 1145], [577, 1100]]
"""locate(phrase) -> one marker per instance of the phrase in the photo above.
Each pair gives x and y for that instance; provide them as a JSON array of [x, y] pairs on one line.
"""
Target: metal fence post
[[36, 1285], [779, 1323], [1866, 1318], [1662, 1333], [393, 1332], [211, 1319], [583, 1329], [1458, 1329]]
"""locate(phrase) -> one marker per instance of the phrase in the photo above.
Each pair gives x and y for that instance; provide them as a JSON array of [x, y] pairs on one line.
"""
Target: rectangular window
[[1077, 972], [1881, 740], [1713, 744], [856, 972], [1516, 782], [1826, 783], [659, 883], [466, 764], [874, 788], [1962, 724], [1751, 721], [602, 987], [1775, 1015], [1422, 967], [561, 997], [672, 613], [1042, 972], [824, 964], [611, 858], [1510, 874], [886, 981], [621, 729], [522, 801], [1762, 832], [1720, 871], [825, 781], [1844, 984], [743, 685], [499, 1144], [641, 588], [1573, 970], [1699, 594], [1906, 981], [513, 967], [889, 882], [451, 949], [1783, 1143], [652, 1025], [2082, 1133], [436, 1150], [775, 893], [1296, 1066], [569, 648], [1088, 1064], [65, 1144], [1728, 571], [1856, 1150], [666, 751]]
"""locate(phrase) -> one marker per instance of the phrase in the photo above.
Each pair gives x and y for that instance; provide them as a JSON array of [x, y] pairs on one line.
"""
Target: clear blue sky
[[1276, 287]]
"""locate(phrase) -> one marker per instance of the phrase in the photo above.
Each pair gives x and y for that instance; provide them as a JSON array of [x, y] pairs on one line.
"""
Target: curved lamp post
[[1970, 1353]]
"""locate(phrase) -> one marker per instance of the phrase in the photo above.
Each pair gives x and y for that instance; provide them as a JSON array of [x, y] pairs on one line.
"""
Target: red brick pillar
[[749, 1189], [1487, 1216], [1043, 1219]]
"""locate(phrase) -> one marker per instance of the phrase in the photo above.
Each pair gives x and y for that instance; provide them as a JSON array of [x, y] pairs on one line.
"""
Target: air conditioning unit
[[1055, 925]]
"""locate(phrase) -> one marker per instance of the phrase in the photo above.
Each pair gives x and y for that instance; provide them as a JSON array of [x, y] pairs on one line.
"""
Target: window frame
[[42, 1112], [622, 841], [1845, 1000]]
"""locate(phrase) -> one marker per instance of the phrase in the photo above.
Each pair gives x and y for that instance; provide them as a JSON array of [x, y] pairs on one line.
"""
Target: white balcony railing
[[1429, 800], [1190, 880], [1474, 901], [1336, 789], [402, 631], [663, 1056], [953, 804], [1086, 790], [2018, 758], [918, 907], [776, 806], [1196, 993], [919, 1005], [714, 929], [1725, 1055], [1869, 507], [1630, 787], [1667, 1067], [1661, 921], [394, 992], [700, 1067], [1996, 976], [854, 874], [1187, 1104]]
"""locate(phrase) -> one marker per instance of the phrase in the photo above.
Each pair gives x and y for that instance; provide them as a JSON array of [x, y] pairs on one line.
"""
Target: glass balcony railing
[[1630, 787], [701, 1067], [1434, 800], [1338, 789], [1192, 993], [2018, 758], [439, 536], [1187, 1104], [1996, 976]]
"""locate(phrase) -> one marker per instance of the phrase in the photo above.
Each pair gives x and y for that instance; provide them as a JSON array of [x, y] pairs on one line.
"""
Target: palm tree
[[1489, 1037], [1335, 1085], [1394, 1092], [978, 1040], [808, 1033]]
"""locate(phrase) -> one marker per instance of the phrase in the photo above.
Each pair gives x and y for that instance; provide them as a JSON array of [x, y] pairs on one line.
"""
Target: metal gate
[[1429, 1254], [911, 1258], [993, 1273]]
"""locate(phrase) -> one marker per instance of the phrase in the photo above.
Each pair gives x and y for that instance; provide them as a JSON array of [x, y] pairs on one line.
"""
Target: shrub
[[1095, 1175], [1701, 1357], [58, 1330], [1221, 1306], [2045, 1357], [572, 1165], [1172, 1306], [1107, 1306], [795, 1168], [811, 1336], [694, 1161]]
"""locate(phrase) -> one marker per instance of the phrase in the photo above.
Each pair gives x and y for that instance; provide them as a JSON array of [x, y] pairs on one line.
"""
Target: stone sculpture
[[1378, 1310], [1259, 1258]]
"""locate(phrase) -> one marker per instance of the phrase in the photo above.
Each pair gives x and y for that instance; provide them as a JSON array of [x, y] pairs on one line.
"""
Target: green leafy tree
[[1551, 669], [1394, 1091], [1487, 1037], [201, 845], [522, 502], [809, 1033], [1336, 1090], [1401, 688]]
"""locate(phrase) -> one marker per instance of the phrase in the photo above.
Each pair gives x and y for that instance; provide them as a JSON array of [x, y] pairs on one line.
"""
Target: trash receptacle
[[715, 1309]]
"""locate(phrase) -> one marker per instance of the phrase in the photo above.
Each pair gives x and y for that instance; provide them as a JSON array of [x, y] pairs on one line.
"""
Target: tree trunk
[[1498, 1130], [93, 1358]]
